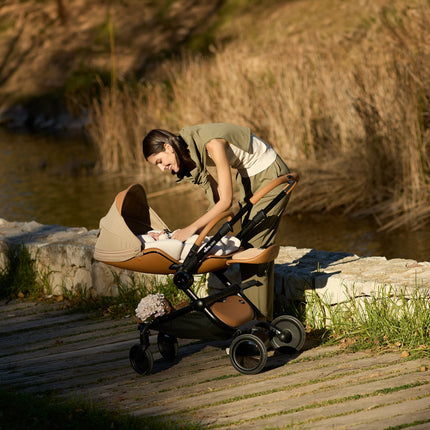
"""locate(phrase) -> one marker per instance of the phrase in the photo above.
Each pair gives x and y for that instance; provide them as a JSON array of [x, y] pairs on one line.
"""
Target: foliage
[[19, 278]]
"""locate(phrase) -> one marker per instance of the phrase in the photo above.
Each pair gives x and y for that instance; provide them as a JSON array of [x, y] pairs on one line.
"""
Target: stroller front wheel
[[141, 359], [248, 354], [168, 346]]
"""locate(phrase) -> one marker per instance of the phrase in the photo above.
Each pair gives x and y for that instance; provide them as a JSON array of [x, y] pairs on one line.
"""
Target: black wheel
[[141, 359], [248, 354], [292, 334], [168, 346]]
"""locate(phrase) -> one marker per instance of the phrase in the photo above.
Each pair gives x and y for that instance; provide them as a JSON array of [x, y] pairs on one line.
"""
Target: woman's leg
[[264, 235]]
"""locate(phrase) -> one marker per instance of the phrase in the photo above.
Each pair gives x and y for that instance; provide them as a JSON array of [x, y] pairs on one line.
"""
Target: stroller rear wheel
[[248, 354], [168, 346], [292, 333], [141, 359]]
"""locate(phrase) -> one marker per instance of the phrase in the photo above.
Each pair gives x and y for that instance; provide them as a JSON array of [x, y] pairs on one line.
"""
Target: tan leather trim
[[119, 199], [255, 255], [156, 261], [210, 225], [151, 261], [213, 263], [233, 311], [273, 184]]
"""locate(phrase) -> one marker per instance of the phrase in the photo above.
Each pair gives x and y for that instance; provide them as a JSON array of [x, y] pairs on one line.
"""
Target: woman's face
[[166, 160]]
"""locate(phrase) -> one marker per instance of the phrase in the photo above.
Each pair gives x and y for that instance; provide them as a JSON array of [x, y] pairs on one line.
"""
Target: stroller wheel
[[292, 333], [168, 346], [248, 354], [141, 359]]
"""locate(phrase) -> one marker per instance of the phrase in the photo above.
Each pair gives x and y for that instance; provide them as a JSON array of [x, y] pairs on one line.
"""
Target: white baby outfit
[[179, 250]]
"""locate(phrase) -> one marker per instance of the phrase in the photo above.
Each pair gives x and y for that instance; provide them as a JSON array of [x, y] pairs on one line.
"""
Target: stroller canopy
[[129, 216]]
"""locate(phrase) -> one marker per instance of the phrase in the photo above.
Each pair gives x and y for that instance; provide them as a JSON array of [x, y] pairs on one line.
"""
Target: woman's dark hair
[[154, 141]]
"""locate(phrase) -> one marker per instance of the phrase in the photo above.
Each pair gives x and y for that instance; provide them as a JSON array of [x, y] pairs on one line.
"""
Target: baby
[[179, 250]]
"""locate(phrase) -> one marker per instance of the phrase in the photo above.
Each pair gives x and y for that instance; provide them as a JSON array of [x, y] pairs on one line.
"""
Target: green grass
[[385, 320], [25, 411], [19, 277], [129, 295], [337, 401], [407, 425]]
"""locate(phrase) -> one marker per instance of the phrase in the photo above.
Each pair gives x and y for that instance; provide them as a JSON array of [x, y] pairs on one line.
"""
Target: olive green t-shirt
[[197, 136]]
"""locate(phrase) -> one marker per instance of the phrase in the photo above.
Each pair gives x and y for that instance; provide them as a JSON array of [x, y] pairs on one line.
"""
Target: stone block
[[64, 257]]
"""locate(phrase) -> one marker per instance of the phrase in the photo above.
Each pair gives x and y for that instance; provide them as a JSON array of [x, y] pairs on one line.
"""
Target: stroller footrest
[[249, 284], [233, 311]]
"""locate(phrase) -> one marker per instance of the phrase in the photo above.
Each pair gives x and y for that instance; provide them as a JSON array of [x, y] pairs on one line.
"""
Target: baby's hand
[[154, 235]]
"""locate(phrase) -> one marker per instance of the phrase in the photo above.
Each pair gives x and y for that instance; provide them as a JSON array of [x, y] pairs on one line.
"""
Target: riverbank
[[65, 256]]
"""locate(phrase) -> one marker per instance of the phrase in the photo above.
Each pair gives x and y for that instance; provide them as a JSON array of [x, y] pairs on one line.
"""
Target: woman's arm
[[217, 149]]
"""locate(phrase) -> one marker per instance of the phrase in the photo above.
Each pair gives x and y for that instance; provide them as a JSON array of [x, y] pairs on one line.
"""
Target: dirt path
[[44, 349]]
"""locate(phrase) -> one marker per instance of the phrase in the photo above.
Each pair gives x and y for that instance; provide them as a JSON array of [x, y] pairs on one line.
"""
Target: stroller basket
[[227, 314]]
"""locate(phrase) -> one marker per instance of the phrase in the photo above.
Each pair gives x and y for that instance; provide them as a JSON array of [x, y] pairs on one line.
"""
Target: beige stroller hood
[[129, 216]]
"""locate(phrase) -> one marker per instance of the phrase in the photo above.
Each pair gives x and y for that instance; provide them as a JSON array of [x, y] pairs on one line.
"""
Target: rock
[[64, 257]]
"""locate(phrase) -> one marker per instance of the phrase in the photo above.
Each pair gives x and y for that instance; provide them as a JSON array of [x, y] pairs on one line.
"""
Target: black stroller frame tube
[[262, 214], [195, 257], [200, 305]]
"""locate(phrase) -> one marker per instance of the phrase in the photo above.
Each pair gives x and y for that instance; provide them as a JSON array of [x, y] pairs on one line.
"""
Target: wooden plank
[[273, 401], [344, 415], [63, 355]]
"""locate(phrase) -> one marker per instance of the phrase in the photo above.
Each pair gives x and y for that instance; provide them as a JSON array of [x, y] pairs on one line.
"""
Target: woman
[[225, 146]]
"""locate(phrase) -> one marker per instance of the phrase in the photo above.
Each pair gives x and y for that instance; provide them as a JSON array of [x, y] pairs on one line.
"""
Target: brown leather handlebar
[[290, 177], [273, 184], [208, 227]]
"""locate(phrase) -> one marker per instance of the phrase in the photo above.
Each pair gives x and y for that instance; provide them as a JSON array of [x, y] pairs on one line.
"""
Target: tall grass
[[349, 111], [383, 320], [19, 277]]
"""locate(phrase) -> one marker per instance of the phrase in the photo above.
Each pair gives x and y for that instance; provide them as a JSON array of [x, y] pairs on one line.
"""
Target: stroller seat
[[131, 216], [157, 261]]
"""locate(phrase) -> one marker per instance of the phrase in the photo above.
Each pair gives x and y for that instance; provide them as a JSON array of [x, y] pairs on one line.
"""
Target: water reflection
[[51, 181], [359, 236]]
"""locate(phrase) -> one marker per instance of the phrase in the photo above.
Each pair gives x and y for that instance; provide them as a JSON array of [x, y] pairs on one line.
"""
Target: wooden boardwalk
[[44, 349]]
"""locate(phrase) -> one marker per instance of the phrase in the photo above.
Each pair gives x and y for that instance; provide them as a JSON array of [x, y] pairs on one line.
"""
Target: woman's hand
[[184, 233]]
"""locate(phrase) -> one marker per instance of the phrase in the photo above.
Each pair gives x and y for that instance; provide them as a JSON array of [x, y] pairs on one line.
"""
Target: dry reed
[[350, 113]]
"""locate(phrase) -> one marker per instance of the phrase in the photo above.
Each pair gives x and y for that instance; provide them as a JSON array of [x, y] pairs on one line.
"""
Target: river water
[[51, 180]]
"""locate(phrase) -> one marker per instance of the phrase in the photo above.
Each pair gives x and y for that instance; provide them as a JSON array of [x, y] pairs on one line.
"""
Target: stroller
[[226, 314]]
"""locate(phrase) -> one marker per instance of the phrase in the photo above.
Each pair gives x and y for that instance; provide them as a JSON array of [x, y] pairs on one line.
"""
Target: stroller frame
[[253, 335]]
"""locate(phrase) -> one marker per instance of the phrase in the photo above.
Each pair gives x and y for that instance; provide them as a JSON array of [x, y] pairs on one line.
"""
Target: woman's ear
[[168, 147]]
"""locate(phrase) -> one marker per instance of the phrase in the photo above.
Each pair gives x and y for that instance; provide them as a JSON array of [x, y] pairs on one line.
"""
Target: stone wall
[[65, 257]]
